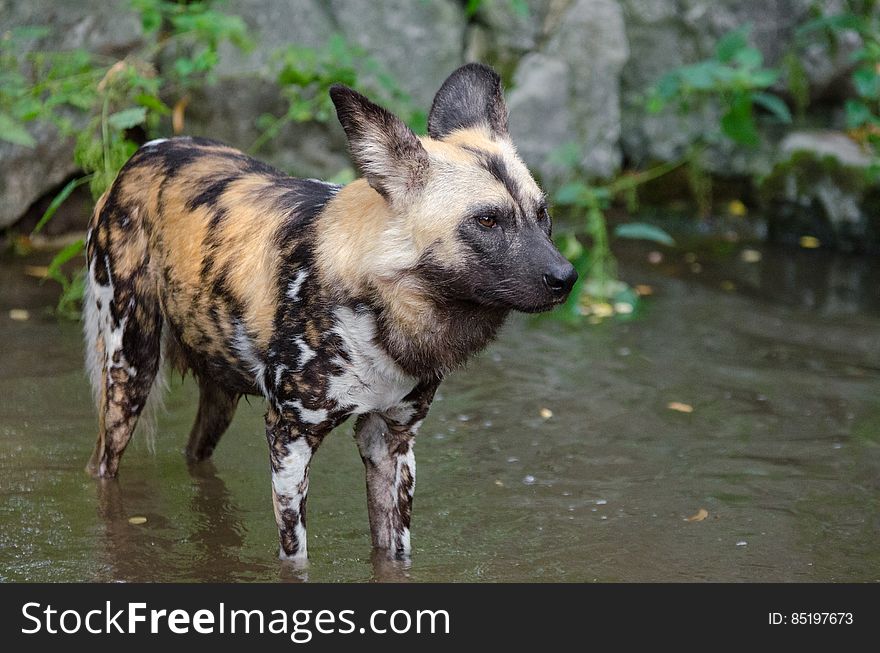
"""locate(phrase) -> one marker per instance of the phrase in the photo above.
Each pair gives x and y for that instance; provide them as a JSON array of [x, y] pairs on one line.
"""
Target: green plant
[[304, 76], [732, 82], [734, 79], [863, 110], [598, 291]]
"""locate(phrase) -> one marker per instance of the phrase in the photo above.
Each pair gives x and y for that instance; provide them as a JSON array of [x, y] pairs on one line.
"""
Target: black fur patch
[[471, 96]]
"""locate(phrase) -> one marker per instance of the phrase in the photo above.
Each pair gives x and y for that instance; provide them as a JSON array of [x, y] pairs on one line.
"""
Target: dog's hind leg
[[216, 409], [123, 324]]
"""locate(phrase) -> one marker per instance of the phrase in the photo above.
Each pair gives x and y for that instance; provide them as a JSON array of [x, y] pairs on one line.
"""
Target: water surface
[[780, 361]]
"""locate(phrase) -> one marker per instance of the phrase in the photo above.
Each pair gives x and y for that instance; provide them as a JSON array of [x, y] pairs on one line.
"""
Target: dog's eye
[[486, 221]]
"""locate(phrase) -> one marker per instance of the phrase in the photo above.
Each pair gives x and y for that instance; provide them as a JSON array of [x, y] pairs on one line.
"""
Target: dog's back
[[192, 237]]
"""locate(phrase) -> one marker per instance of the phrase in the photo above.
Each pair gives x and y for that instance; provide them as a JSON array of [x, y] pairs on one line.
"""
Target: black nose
[[561, 279]]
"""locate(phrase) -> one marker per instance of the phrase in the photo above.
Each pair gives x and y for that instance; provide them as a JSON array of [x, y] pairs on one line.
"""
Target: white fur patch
[[290, 482], [307, 415], [279, 371], [306, 353], [246, 351], [408, 460], [296, 284], [154, 142], [371, 380]]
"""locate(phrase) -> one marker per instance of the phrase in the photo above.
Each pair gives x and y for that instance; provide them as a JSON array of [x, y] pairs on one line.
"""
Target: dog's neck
[[363, 261], [429, 337]]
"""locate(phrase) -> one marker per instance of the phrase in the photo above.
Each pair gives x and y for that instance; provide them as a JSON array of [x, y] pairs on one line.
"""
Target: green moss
[[807, 169]]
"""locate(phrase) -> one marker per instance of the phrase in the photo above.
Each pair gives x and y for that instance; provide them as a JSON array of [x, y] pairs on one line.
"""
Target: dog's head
[[473, 223]]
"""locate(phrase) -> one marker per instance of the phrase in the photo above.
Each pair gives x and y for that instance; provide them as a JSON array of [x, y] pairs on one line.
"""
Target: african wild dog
[[328, 301]]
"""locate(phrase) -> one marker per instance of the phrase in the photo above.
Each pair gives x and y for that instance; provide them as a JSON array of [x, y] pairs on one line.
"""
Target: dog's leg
[[386, 444], [291, 447], [216, 409], [124, 326], [387, 452]]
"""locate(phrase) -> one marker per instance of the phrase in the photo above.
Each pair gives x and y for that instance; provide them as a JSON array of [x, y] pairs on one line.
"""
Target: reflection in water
[[214, 543], [219, 530], [387, 570]]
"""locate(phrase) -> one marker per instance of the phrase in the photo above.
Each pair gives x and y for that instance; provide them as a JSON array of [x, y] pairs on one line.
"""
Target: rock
[[394, 33], [27, 173], [419, 43], [821, 187], [583, 56], [541, 88], [503, 32], [824, 143]]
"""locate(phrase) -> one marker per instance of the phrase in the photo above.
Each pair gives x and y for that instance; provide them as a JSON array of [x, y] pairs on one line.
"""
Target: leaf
[[731, 43], [571, 193], [127, 118], [153, 103], [700, 76], [643, 231], [857, 114], [749, 58], [62, 257], [680, 407], [701, 514], [14, 132], [26, 32], [738, 123], [867, 82], [58, 200], [842, 21], [763, 78], [774, 105]]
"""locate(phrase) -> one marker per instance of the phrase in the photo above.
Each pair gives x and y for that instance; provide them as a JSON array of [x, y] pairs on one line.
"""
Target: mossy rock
[[816, 194]]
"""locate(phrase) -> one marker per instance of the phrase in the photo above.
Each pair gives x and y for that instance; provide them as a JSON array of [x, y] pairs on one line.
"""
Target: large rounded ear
[[470, 97], [386, 151]]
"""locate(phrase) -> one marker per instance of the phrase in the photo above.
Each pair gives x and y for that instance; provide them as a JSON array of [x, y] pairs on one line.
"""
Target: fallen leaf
[[38, 271], [750, 256], [19, 314], [644, 290], [546, 413], [809, 242], [680, 407], [702, 513], [737, 208], [177, 114], [499, 483], [137, 521]]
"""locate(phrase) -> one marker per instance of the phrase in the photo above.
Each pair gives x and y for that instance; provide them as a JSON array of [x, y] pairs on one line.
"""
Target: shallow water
[[782, 449]]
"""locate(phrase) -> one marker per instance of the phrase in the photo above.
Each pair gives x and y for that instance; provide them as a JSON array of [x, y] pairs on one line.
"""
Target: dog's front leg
[[291, 446], [387, 452], [386, 447]]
